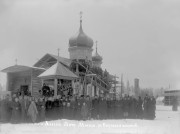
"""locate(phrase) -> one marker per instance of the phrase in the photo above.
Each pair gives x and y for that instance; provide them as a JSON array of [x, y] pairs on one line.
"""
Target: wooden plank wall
[[15, 80], [36, 82]]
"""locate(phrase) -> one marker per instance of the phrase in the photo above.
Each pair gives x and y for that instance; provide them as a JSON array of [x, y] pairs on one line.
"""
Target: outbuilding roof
[[19, 68], [58, 70]]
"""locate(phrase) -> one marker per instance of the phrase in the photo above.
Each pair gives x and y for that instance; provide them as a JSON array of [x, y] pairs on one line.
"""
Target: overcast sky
[[139, 38]]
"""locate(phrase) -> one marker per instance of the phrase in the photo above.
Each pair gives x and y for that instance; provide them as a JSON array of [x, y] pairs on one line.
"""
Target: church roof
[[48, 59], [58, 70], [63, 60], [96, 56], [80, 39]]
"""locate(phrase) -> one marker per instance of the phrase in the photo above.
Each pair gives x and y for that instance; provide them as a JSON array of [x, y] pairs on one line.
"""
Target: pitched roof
[[48, 57], [58, 70], [63, 60], [19, 68]]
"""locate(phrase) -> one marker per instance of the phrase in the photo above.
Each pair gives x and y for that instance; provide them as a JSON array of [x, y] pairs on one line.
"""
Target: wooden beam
[[55, 87]]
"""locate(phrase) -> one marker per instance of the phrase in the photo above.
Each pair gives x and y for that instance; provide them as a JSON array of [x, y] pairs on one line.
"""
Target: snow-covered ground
[[166, 122]]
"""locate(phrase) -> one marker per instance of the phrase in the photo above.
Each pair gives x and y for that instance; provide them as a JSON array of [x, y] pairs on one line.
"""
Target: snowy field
[[166, 122]]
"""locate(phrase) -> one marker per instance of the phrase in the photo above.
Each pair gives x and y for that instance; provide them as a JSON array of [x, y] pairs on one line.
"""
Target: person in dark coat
[[112, 108], [72, 107], [60, 108], [64, 108], [68, 109], [151, 110], [41, 109], [119, 111], [55, 108], [102, 108], [46, 107], [46, 90], [116, 109], [139, 111], [78, 108], [50, 112], [132, 108], [145, 107], [24, 103], [126, 107], [15, 118], [0, 108], [154, 107], [4, 110], [9, 103], [89, 105], [84, 111], [95, 106], [108, 100]]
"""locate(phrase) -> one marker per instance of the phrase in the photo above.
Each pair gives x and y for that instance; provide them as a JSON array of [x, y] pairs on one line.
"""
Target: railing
[[88, 71]]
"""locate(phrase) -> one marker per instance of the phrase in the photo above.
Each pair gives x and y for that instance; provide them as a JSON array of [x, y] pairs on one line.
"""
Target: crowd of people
[[24, 109]]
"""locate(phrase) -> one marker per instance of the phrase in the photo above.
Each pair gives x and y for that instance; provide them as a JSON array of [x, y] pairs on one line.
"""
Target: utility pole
[[115, 84], [121, 84]]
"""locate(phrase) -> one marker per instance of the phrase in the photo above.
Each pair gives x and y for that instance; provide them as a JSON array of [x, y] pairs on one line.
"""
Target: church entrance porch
[[57, 87]]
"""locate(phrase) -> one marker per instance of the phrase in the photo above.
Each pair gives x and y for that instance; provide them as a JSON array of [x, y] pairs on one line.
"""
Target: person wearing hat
[[45, 90], [126, 107], [95, 108], [139, 110], [4, 109], [68, 108], [15, 118], [145, 107], [78, 108], [103, 108], [72, 106], [64, 101], [41, 109], [89, 105], [23, 106], [84, 111]]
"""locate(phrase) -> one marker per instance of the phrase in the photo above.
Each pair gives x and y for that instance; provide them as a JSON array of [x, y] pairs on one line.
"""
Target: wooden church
[[57, 71]]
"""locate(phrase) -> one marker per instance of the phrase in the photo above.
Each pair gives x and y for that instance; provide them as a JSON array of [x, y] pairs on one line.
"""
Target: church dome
[[96, 56], [80, 39]]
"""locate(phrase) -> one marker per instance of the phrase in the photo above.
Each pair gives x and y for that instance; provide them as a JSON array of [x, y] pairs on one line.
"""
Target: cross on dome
[[58, 51], [96, 55], [96, 46], [81, 15]]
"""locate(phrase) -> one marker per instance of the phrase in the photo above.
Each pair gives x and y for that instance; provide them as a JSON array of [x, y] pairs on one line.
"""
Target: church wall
[[80, 53], [16, 80], [29, 78], [36, 82]]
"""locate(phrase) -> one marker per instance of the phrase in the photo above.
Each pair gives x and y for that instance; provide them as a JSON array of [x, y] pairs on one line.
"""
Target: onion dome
[[96, 56], [80, 39]]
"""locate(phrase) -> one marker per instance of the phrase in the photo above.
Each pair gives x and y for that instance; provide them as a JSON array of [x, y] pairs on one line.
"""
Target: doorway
[[24, 89]]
